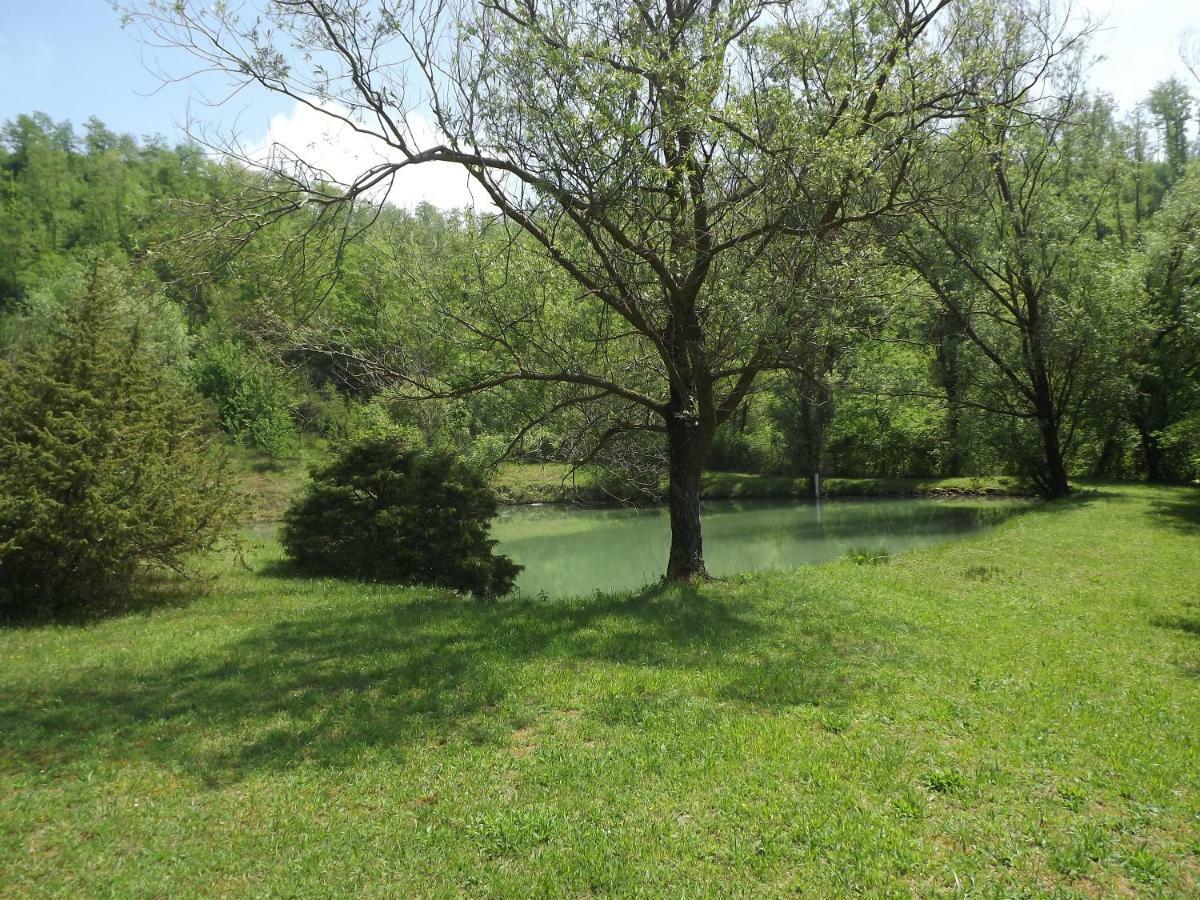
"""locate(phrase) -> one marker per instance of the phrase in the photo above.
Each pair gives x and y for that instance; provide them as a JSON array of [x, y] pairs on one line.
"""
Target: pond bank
[[270, 485], [526, 483]]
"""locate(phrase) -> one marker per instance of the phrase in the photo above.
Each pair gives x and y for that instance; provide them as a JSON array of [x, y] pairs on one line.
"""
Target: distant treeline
[[285, 346]]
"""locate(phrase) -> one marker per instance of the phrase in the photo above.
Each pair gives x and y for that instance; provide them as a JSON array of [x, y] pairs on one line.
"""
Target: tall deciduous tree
[[1022, 269], [1170, 104], [655, 153], [1165, 409]]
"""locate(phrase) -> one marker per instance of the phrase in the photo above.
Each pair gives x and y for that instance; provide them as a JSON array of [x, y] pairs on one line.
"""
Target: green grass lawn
[[1017, 713], [270, 485]]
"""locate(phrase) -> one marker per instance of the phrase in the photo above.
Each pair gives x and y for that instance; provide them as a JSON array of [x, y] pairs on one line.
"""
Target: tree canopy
[[869, 238]]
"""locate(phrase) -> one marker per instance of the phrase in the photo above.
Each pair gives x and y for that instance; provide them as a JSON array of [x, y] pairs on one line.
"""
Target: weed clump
[[869, 556]]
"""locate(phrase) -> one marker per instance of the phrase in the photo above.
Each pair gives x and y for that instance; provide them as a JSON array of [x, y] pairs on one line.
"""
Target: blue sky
[[71, 59]]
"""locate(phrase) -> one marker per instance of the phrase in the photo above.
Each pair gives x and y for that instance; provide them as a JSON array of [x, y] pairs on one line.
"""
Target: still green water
[[569, 551]]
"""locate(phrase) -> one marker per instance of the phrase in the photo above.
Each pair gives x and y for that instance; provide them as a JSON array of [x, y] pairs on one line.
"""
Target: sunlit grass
[[1013, 713]]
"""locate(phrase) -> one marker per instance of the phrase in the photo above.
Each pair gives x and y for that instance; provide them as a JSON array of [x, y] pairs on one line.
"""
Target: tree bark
[[1152, 457], [687, 446], [1056, 484], [1055, 475]]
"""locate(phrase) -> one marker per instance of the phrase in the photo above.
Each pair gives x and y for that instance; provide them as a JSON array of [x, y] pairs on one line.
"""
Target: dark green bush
[[382, 512], [105, 468]]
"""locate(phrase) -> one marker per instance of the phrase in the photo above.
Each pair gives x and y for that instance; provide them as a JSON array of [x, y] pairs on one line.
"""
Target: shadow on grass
[[336, 684], [143, 596], [284, 567], [1081, 495], [1179, 623], [1181, 511]]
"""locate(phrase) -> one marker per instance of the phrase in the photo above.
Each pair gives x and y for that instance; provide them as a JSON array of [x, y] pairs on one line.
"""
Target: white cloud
[[326, 143], [1139, 42]]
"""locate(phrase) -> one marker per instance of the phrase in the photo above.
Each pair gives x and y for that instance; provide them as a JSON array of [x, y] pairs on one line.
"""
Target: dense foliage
[[253, 399], [1015, 294], [104, 461], [381, 512], [902, 393]]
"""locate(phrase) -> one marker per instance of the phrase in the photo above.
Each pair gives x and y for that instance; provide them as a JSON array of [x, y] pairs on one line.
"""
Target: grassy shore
[[1016, 713], [555, 482], [271, 484]]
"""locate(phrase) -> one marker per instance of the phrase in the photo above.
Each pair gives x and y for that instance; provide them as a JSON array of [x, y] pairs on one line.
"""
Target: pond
[[571, 551]]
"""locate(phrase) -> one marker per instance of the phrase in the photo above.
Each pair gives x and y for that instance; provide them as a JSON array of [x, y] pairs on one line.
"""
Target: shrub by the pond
[[382, 512], [105, 467]]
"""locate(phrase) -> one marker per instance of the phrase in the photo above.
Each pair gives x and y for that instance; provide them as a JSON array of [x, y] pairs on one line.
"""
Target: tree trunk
[[952, 466], [1056, 484], [1055, 475], [948, 332], [1149, 416], [1109, 458], [818, 416], [1152, 457], [687, 446]]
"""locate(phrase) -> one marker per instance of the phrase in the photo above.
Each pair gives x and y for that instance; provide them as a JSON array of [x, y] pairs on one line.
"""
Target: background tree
[[1022, 266], [1170, 103], [1166, 401], [105, 466], [651, 152]]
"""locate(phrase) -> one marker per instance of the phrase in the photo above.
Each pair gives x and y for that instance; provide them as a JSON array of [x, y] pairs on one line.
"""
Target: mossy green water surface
[[569, 551]]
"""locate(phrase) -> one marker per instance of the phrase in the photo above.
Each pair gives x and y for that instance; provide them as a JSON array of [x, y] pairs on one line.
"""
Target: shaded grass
[[1014, 713], [1181, 509]]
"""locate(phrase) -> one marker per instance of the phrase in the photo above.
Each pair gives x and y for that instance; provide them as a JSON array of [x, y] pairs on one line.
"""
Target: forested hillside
[[922, 374]]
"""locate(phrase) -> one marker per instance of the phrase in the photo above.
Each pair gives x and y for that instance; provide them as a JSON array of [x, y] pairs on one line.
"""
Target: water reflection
[[569, 551]]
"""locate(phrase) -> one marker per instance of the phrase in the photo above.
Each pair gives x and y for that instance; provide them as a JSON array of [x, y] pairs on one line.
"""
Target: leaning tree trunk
[[687, 446]]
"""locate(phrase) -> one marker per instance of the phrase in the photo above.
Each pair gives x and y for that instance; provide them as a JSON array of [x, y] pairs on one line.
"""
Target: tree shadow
[[1190, 626], [332, 685], [1179, 623], [1181, 511], [1081, 495], [144, 595], [284, 567]]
